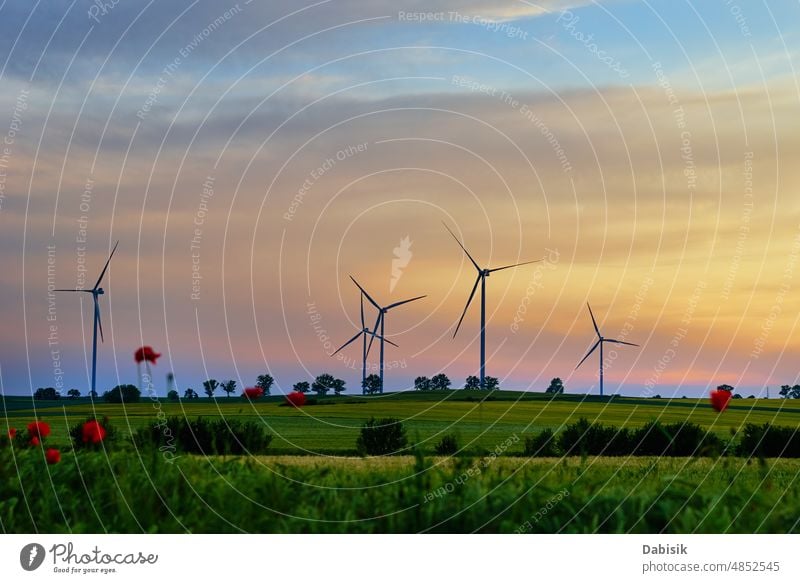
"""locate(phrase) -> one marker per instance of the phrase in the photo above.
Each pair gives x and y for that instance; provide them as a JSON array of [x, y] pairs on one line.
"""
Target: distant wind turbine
[[600, 341], [381, 320], [96, 292], [481, 279], [364, 332]]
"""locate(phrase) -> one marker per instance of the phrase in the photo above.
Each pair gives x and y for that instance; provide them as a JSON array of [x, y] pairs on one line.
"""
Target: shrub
[[207, 437], [448, 445], [122, 394], [585, 438], [542, 444], [675, 439], [383, 437], [768, 441]]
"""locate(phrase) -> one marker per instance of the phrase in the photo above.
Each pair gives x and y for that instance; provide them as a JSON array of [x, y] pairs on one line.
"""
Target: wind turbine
[[600, 341], [364, 332], [96, 292], [481, 279], [381, 320]]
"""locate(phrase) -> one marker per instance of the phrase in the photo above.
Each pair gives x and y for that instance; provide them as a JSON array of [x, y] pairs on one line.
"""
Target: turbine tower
[[483, 273], [381, 320], [364, 332], [600, 341], [96, 292]]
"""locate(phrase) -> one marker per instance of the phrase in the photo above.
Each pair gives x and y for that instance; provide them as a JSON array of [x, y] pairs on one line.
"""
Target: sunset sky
[[649, 151]]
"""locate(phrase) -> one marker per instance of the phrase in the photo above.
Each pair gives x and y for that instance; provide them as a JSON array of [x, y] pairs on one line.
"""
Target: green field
[[311, 481], [481, 421]]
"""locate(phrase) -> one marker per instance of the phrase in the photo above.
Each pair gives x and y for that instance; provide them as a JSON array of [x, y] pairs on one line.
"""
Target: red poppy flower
[[12, 433], [146, 353], [253, 393], [720, 400], [35, 441], [93, 432], [53, 456], [38, 429], [296, 399]]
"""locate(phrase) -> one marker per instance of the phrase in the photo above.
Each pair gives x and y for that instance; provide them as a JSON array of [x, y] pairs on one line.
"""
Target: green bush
[[448, 445], [769, 441], [76, 434], [542, 444], [585, 438], [207, 437], [384, 437]]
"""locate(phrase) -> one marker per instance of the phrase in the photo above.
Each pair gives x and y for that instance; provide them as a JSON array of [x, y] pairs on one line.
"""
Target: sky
[[250, 157]]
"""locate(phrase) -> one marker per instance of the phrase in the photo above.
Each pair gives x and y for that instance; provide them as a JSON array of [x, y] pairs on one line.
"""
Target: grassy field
[[125, 492], [331, 427], [311, 483]]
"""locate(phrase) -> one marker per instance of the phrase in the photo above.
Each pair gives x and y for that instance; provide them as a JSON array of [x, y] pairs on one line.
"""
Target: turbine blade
[[362, 312], [594, 322], [73, 290], [394, 305], [97, 317], [363, 291], [379, 337], [374, 332], [515, 265], [102, 273], [471, 295], [620, 342], [353, 339], [588, 354], [462, 247]]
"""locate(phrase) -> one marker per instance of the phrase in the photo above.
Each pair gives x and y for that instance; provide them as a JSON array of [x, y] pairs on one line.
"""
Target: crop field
[[479, 420], [312, 481], [126, 492]]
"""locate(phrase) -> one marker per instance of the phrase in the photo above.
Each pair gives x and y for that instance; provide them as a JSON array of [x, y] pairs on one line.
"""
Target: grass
[[127, 492]]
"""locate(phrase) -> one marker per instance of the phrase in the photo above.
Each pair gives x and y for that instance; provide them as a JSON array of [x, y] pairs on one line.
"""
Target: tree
[[371, 384], [491, 383], [556, 387], [440, 382], [725, 388], [322, 384], [210, 386], [422, 384], [73, 393], [737, 396], [472, 383], [190, 394], [338, 386], [788, 392], [93, 394], [122, 394], [301, 387], [172, 395], [264, 382], [46, 394], [229, 387]]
